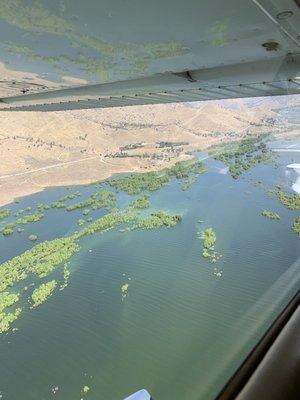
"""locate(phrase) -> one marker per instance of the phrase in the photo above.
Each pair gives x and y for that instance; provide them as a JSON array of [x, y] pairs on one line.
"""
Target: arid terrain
[[38, 150]]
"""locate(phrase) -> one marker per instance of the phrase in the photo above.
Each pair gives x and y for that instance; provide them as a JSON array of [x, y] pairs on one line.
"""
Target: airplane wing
[[66, 54]]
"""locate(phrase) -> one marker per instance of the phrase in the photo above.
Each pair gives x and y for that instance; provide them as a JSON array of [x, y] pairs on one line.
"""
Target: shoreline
[[40, 150], [18, 192], [97, 168]]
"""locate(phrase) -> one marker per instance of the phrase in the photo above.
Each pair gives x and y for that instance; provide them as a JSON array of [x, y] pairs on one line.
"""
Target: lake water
[[181, 331]]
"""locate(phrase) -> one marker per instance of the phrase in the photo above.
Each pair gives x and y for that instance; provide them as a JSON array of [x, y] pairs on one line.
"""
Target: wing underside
[[96, 55]]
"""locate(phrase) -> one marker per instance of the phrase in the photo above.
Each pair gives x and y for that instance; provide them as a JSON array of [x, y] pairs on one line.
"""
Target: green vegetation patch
[[27, 219], [6, 319], [43, 292], [44, 257], [290, 201], [296, 226], [58, 204], [137, 183], [70, 196], [209, 238], [9, 228], [189, 181], [39, 260], [8, 299], [141, 203], [42, 207], [270, 214], [7, 231], [4, 213], [244, 155], [97, 200], [157, 220]]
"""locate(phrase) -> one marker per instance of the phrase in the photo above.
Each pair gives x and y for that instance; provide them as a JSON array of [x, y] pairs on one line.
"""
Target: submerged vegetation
[[270, 214], [41, 293], [244, 155]]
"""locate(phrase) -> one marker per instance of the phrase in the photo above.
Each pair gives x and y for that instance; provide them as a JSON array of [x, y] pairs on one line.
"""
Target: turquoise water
[[181, 331]]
